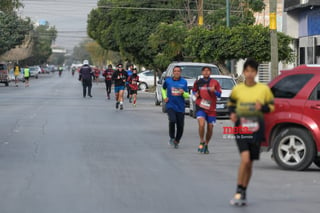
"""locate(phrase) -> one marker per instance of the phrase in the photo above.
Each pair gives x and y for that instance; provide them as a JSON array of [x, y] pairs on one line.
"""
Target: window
[[190, 72], [225, 83], [302, 55], [3, 67], [289, 86], [149, 73], [315, 95]]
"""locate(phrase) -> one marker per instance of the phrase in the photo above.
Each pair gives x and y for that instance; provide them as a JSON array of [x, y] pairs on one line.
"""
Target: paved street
[[61, 153]]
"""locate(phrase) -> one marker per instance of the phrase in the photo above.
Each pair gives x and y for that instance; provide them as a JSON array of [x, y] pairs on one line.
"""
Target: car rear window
[[289, 86], [3, 67], [190, 72], [225, 83]]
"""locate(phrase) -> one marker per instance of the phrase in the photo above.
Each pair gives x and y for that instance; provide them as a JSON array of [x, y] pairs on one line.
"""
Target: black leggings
[[86, 83], [175, 118], [108, 87]]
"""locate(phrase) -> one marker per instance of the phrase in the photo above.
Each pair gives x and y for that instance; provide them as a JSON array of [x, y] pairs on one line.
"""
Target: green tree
[[241, 12], [12, 31], [168, 42], [43, 36], [8, 6], [81, 53], [222, 43], [127, 31]]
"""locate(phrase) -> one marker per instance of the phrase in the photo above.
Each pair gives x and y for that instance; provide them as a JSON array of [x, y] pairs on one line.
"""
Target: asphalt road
[[61, 153]]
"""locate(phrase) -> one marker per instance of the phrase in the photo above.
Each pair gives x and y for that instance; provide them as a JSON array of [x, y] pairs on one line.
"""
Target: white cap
[[85, 62]]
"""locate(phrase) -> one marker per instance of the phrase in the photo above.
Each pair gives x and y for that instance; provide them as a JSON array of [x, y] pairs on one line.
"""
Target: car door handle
[[315, 107]]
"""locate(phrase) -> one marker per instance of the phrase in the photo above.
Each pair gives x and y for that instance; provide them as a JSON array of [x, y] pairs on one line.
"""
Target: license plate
[[220, 106]]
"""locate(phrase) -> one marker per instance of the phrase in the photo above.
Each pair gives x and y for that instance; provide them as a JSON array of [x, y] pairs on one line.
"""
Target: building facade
[[302, 22]]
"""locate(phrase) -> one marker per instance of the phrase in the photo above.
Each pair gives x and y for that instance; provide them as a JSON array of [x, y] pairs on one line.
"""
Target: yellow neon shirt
[[244, 99]]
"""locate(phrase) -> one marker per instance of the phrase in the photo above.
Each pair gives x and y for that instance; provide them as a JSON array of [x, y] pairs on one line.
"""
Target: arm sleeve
[[232, 103], [186, 91], [217, 91], [164, 93], [269, 102]]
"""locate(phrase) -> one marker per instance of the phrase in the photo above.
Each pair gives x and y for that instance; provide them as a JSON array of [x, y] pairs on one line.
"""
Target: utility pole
[[228, 25], [274, 39], [200, 12], [228, 12]]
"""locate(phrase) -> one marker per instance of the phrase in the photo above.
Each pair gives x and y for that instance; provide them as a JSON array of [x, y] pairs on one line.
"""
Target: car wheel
[[143, 86], [6, 84], [164, 109], [36, 77], [317, 161], [156, 102], [294, 149]]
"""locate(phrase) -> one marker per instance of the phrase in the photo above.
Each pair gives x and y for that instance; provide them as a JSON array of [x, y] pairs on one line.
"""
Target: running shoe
[[201, 147], [238, 200], [134, 105], [117, 105], [176, 144], [206, 149], [171, 142], [121, 106], [130, 100]]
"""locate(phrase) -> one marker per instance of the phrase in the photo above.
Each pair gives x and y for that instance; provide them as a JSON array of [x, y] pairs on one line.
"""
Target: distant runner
[[133, 84], [174, 92], [16, 74], [108, 79], [120, 78]]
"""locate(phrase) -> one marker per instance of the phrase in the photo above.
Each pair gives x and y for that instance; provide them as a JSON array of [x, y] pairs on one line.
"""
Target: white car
[[146, 79], [226, 83]]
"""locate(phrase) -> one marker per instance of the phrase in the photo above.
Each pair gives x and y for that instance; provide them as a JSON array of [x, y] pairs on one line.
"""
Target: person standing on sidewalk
[[248, 103], [108, 79], [120, 78], [16, 74], [86, 75], [206, 90], [174, 92], [26, 75]]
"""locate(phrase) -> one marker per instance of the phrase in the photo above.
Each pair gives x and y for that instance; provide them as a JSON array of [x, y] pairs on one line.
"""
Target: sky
[[68, 16]]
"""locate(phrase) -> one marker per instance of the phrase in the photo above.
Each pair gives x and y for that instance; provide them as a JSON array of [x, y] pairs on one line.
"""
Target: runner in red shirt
[[206, 90], [133, 84], [108, 79]]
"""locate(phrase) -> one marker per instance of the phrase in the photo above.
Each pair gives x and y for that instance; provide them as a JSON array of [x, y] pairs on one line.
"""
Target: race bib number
[[205, 104], [175, 92], [251, 124]]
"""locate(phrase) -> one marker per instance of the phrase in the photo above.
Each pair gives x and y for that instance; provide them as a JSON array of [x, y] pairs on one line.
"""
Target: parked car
[[146, 79], [226, 83], [34, 71], [190, 71], [293, 129], [4, 74]]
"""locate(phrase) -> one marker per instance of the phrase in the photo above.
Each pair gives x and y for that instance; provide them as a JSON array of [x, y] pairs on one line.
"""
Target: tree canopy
[[145, 33], [12, 31]]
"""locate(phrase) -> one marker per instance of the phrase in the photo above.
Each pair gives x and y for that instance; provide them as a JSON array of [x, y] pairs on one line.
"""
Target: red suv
[[293, 129]]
